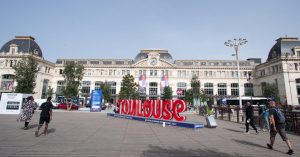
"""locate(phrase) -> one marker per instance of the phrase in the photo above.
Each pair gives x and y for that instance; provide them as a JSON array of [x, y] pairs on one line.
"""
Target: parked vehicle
[[64, 106]]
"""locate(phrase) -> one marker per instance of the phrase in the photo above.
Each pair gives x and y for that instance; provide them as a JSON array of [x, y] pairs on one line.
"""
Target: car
[[64, 106]]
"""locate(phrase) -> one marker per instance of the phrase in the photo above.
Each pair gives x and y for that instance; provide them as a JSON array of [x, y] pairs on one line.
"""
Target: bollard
[[238, 115], [228, 110], [164, 124]]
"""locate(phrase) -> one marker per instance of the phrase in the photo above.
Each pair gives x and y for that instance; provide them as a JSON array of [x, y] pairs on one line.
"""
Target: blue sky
[[119, 29]]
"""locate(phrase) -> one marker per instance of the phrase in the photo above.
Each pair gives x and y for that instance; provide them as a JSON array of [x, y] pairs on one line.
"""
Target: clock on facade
[[153, 61]]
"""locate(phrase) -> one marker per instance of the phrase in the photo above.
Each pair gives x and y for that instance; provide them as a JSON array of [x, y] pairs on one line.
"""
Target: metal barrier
[[236, 114]]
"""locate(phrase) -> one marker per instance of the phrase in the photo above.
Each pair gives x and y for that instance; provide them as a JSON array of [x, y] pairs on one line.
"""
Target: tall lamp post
[[236, 43]]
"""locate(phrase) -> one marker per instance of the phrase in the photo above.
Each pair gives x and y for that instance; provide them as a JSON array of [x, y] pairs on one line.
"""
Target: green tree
[[73, 74], [168, 93], [189, 96], [204, 97], [105, 91], [195, 86], [50, 92], [271, 90], [129, 88], [25, 74]]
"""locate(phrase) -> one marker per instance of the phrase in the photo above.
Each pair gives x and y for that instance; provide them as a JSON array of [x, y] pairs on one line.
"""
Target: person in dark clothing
[[259, 118], [277, 126], [249, 118], [45, 116]]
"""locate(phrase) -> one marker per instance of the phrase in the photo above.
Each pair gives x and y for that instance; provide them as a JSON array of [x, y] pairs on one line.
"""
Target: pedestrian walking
[[260, 117], [277, 120], [45, 116], [69, 105], [249, 118], [265, 114], [27, 111]]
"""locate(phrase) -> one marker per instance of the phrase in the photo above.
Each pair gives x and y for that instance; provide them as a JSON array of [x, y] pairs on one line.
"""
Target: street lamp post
[[236, 43]]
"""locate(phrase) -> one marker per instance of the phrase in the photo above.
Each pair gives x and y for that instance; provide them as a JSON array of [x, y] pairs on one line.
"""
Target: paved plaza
[[80, 134]]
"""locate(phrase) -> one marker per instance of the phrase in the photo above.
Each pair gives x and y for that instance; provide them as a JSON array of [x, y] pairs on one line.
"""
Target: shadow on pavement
[[50, 131], [30, 126], [233, 130], [155, 151], [249, 143], [255, 145]]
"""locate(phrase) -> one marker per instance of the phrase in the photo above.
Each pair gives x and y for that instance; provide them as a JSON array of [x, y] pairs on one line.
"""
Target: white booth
[[11, 103]]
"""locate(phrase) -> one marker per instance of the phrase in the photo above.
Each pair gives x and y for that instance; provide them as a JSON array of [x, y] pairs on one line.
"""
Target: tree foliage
[[195, 86], [25, 74], [73, 74], [168, 93], [189, 96], [50, 92], [129, 88], [105, 91], [271, 90]]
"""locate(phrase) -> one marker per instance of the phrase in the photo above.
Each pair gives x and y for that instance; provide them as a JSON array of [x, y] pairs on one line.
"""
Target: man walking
[[277, 120], [249, 118], [46, 116]]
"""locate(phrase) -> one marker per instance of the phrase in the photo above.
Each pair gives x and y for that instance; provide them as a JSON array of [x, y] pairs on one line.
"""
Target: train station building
[[153, 69]]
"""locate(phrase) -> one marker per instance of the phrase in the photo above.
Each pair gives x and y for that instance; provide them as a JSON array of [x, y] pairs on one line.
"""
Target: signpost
[[96, 101]]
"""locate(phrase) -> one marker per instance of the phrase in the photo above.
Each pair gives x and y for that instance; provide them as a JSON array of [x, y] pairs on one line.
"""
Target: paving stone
[[77, 134]]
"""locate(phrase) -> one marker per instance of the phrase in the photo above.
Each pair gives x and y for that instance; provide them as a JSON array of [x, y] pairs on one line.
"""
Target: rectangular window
[[208, 88], [112, 87], [98, 85], [248, 89], [82, 62], [222, 90], [59, 62], [234, 89], [181, 89], [94, 62], [60, 87]]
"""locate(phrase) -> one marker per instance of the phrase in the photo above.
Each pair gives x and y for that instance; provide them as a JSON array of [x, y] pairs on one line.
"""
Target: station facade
[[153, 69]]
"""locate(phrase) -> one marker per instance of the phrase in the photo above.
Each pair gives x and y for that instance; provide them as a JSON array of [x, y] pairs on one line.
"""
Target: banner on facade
[[142, 84], [164, 82]]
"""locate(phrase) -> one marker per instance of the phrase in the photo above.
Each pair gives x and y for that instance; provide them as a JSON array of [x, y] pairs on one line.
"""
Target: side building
[[282, 68], [153, 69]]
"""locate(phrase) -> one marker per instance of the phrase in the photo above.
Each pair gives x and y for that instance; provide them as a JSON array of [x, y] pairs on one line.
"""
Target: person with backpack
[[277, 120]]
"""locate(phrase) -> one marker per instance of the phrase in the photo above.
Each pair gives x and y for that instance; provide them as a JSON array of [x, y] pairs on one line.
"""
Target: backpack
[[280, 117]]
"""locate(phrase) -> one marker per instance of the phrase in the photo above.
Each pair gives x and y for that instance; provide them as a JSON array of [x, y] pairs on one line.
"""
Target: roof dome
[[25, 44], [283, 46], [163, 54]]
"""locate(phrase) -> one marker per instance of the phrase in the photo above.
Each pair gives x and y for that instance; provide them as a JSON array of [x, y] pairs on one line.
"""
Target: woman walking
[[28, 110]]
